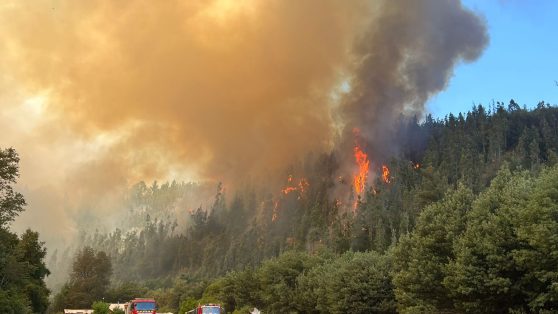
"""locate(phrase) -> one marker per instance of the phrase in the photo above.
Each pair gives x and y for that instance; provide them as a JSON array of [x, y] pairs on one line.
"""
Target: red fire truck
[[141, 306], [207, 309]]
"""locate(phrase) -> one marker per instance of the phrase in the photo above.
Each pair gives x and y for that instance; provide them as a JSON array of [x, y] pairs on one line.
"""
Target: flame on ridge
[[360, 178]]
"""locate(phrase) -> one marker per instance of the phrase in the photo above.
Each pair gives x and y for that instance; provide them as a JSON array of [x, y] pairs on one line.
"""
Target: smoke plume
[[406, 55], [98, 95]]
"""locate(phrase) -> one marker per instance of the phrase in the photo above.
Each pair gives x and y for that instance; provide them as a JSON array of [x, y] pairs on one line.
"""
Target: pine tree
[[483, 278], [421, 258]]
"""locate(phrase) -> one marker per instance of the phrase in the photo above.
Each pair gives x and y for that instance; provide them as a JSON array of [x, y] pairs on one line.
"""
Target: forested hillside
[[489, 253], [465, 220]]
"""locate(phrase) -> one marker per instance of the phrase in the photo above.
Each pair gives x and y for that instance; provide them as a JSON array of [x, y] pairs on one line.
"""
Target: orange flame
[[385, 174], [361, 176], [416, 166], [303, 185], [288, 189], [291, 186], [359, 180]]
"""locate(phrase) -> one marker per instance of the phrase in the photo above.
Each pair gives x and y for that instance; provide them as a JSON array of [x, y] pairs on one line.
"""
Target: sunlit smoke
[[106, 93]]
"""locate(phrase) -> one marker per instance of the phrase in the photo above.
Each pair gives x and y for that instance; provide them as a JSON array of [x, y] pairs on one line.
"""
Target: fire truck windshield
[[211, 310], [145, 306]]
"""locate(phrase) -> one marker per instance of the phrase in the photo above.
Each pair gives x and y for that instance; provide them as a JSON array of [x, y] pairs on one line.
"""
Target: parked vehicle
[[141, 306], [207, 309]]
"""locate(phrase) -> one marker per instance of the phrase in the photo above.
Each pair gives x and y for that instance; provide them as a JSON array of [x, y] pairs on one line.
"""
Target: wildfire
[[291, 186], [361, 176], [416, 166], [359, 180], [302, 185], [289, 189], [385, 174]]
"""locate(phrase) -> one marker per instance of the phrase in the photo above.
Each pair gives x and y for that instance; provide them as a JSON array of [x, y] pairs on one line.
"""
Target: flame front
[[288, 189], [293, 186], [360, 178]]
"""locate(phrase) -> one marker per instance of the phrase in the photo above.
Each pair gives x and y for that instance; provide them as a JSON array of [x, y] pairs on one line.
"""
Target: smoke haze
[[98, 95]]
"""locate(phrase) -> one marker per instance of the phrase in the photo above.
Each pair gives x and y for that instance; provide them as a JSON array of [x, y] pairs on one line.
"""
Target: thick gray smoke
[[406, 55]]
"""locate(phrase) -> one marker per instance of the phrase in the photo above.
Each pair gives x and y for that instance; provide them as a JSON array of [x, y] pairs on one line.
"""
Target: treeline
[[89, 281], [238, 231], [391, 228], [22, 267], [496, 252]]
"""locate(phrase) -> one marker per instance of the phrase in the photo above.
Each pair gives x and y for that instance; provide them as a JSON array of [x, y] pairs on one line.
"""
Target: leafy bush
[[100, 307]]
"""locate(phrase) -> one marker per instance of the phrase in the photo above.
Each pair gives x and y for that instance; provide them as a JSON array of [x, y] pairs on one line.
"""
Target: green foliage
[[297, 282], [467, 223], [500, 254], [483, 276], [278, 280], [237, 231], [33, 253], [100, 307], [351, 283], [22, 267], [125, 292], [537, 230], [88, 281], [236, 288], [187, 305], [421, 259], [11, 203], [13, 302]]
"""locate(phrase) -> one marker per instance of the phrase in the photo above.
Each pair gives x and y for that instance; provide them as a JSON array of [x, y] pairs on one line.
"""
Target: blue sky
[[520, 62]]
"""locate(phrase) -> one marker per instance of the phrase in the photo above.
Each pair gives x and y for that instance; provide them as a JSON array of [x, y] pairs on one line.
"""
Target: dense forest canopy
[[464, 220], [418, 232]]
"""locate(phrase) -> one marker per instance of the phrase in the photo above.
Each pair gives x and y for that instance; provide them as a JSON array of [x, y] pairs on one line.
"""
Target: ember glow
[[292, 185], [288, 189]]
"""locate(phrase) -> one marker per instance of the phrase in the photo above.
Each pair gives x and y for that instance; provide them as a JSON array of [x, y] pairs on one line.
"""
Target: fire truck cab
[[207, 309], [141, 306]]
